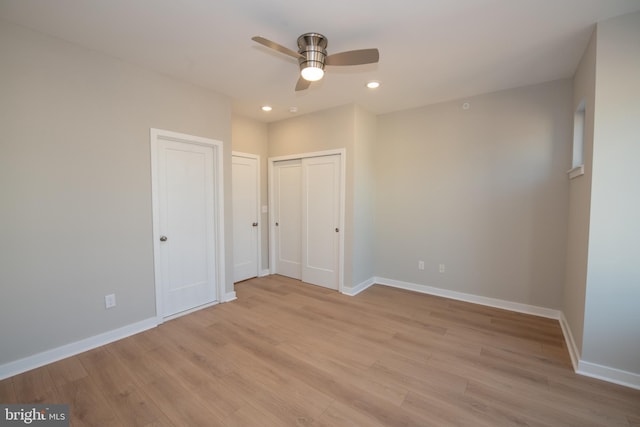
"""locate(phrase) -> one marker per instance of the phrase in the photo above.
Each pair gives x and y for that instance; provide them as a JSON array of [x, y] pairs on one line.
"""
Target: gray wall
[[575, 286], [75, 187], [251, 136], [612, 317], [363, 197], [483, 191]]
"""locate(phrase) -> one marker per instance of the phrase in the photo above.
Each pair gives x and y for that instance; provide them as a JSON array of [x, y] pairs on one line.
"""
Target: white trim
[[229, 296], [304, 155], [343, 195], [247, 155], [259, 204], [49, 356], [606, 373], [184, 313], [355, 290], [476, 299], [574, 353], [265, 272], [155, 135]]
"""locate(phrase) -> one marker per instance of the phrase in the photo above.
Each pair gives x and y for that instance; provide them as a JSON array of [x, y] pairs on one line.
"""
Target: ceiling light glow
[[312, 74], [373, 85], [266, 108]]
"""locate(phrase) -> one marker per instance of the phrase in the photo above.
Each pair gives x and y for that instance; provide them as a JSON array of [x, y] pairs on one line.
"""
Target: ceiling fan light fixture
[[312, 74], [312, 57]]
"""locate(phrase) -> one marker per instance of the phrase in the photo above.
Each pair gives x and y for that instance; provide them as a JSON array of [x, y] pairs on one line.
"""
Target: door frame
[[258, 205], [156, 136], [342, 152]]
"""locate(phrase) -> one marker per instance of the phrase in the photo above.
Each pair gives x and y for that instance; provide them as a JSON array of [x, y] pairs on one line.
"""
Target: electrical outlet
[[110, 301], [420, 265], [441, 268]]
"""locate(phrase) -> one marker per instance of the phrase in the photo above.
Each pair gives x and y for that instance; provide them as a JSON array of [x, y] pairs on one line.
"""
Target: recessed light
[[266, 108], [373, 85]]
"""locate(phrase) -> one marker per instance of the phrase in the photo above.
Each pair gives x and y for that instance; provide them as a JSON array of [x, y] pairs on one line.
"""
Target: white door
[[287, 181], [186, 263], [245, 197], [320, 220]]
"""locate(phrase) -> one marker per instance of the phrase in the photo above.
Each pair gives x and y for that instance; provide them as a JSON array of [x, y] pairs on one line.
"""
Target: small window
[[577, 163]]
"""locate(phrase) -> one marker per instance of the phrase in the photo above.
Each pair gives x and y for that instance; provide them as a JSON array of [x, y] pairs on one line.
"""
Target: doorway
[[246, 226], [187, 222]]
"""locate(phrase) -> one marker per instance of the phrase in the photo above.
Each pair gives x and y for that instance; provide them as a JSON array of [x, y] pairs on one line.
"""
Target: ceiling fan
[[312, 56]]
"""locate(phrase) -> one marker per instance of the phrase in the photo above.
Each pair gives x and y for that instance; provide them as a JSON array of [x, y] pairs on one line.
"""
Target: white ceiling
[[430, 50]]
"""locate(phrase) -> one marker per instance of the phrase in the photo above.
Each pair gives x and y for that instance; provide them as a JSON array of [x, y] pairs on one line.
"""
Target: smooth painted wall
[[483, 191], [612, 315], [364, 213], [252, 137], [575, 285], [75, 187]]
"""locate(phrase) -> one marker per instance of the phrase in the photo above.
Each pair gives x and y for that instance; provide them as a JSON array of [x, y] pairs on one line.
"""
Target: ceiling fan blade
[[302, 84], [276, 46], [353, 57]]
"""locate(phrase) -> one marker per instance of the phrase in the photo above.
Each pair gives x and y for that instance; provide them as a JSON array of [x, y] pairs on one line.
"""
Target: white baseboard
[[49, 356], [574, 352], [594, 370], [476, 299], [265, 272], [606, 373], [360, 287], [229, 296]]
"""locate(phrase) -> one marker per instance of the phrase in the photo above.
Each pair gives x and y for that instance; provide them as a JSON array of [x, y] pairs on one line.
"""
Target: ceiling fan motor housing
[[313, 46]]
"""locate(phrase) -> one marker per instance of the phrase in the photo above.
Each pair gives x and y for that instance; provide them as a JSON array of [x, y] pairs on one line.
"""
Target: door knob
[[163, 238], [255, 224]]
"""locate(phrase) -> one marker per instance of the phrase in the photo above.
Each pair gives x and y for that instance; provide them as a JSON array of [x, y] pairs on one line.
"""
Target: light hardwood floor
[[287, 353]]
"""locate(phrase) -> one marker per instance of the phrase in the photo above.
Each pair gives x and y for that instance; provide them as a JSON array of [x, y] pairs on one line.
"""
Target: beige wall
[[612, 317], [75, 187], [251, 136], [483, 191], [580, 200]]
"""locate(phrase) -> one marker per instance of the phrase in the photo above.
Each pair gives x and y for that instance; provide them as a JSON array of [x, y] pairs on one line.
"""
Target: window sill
[[576, 172]]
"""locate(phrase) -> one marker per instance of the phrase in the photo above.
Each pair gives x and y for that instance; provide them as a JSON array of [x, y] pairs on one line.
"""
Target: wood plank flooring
[[291, 354]]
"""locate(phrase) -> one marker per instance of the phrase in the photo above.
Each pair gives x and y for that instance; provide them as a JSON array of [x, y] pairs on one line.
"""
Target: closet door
[[287, 181], [320, 220]]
